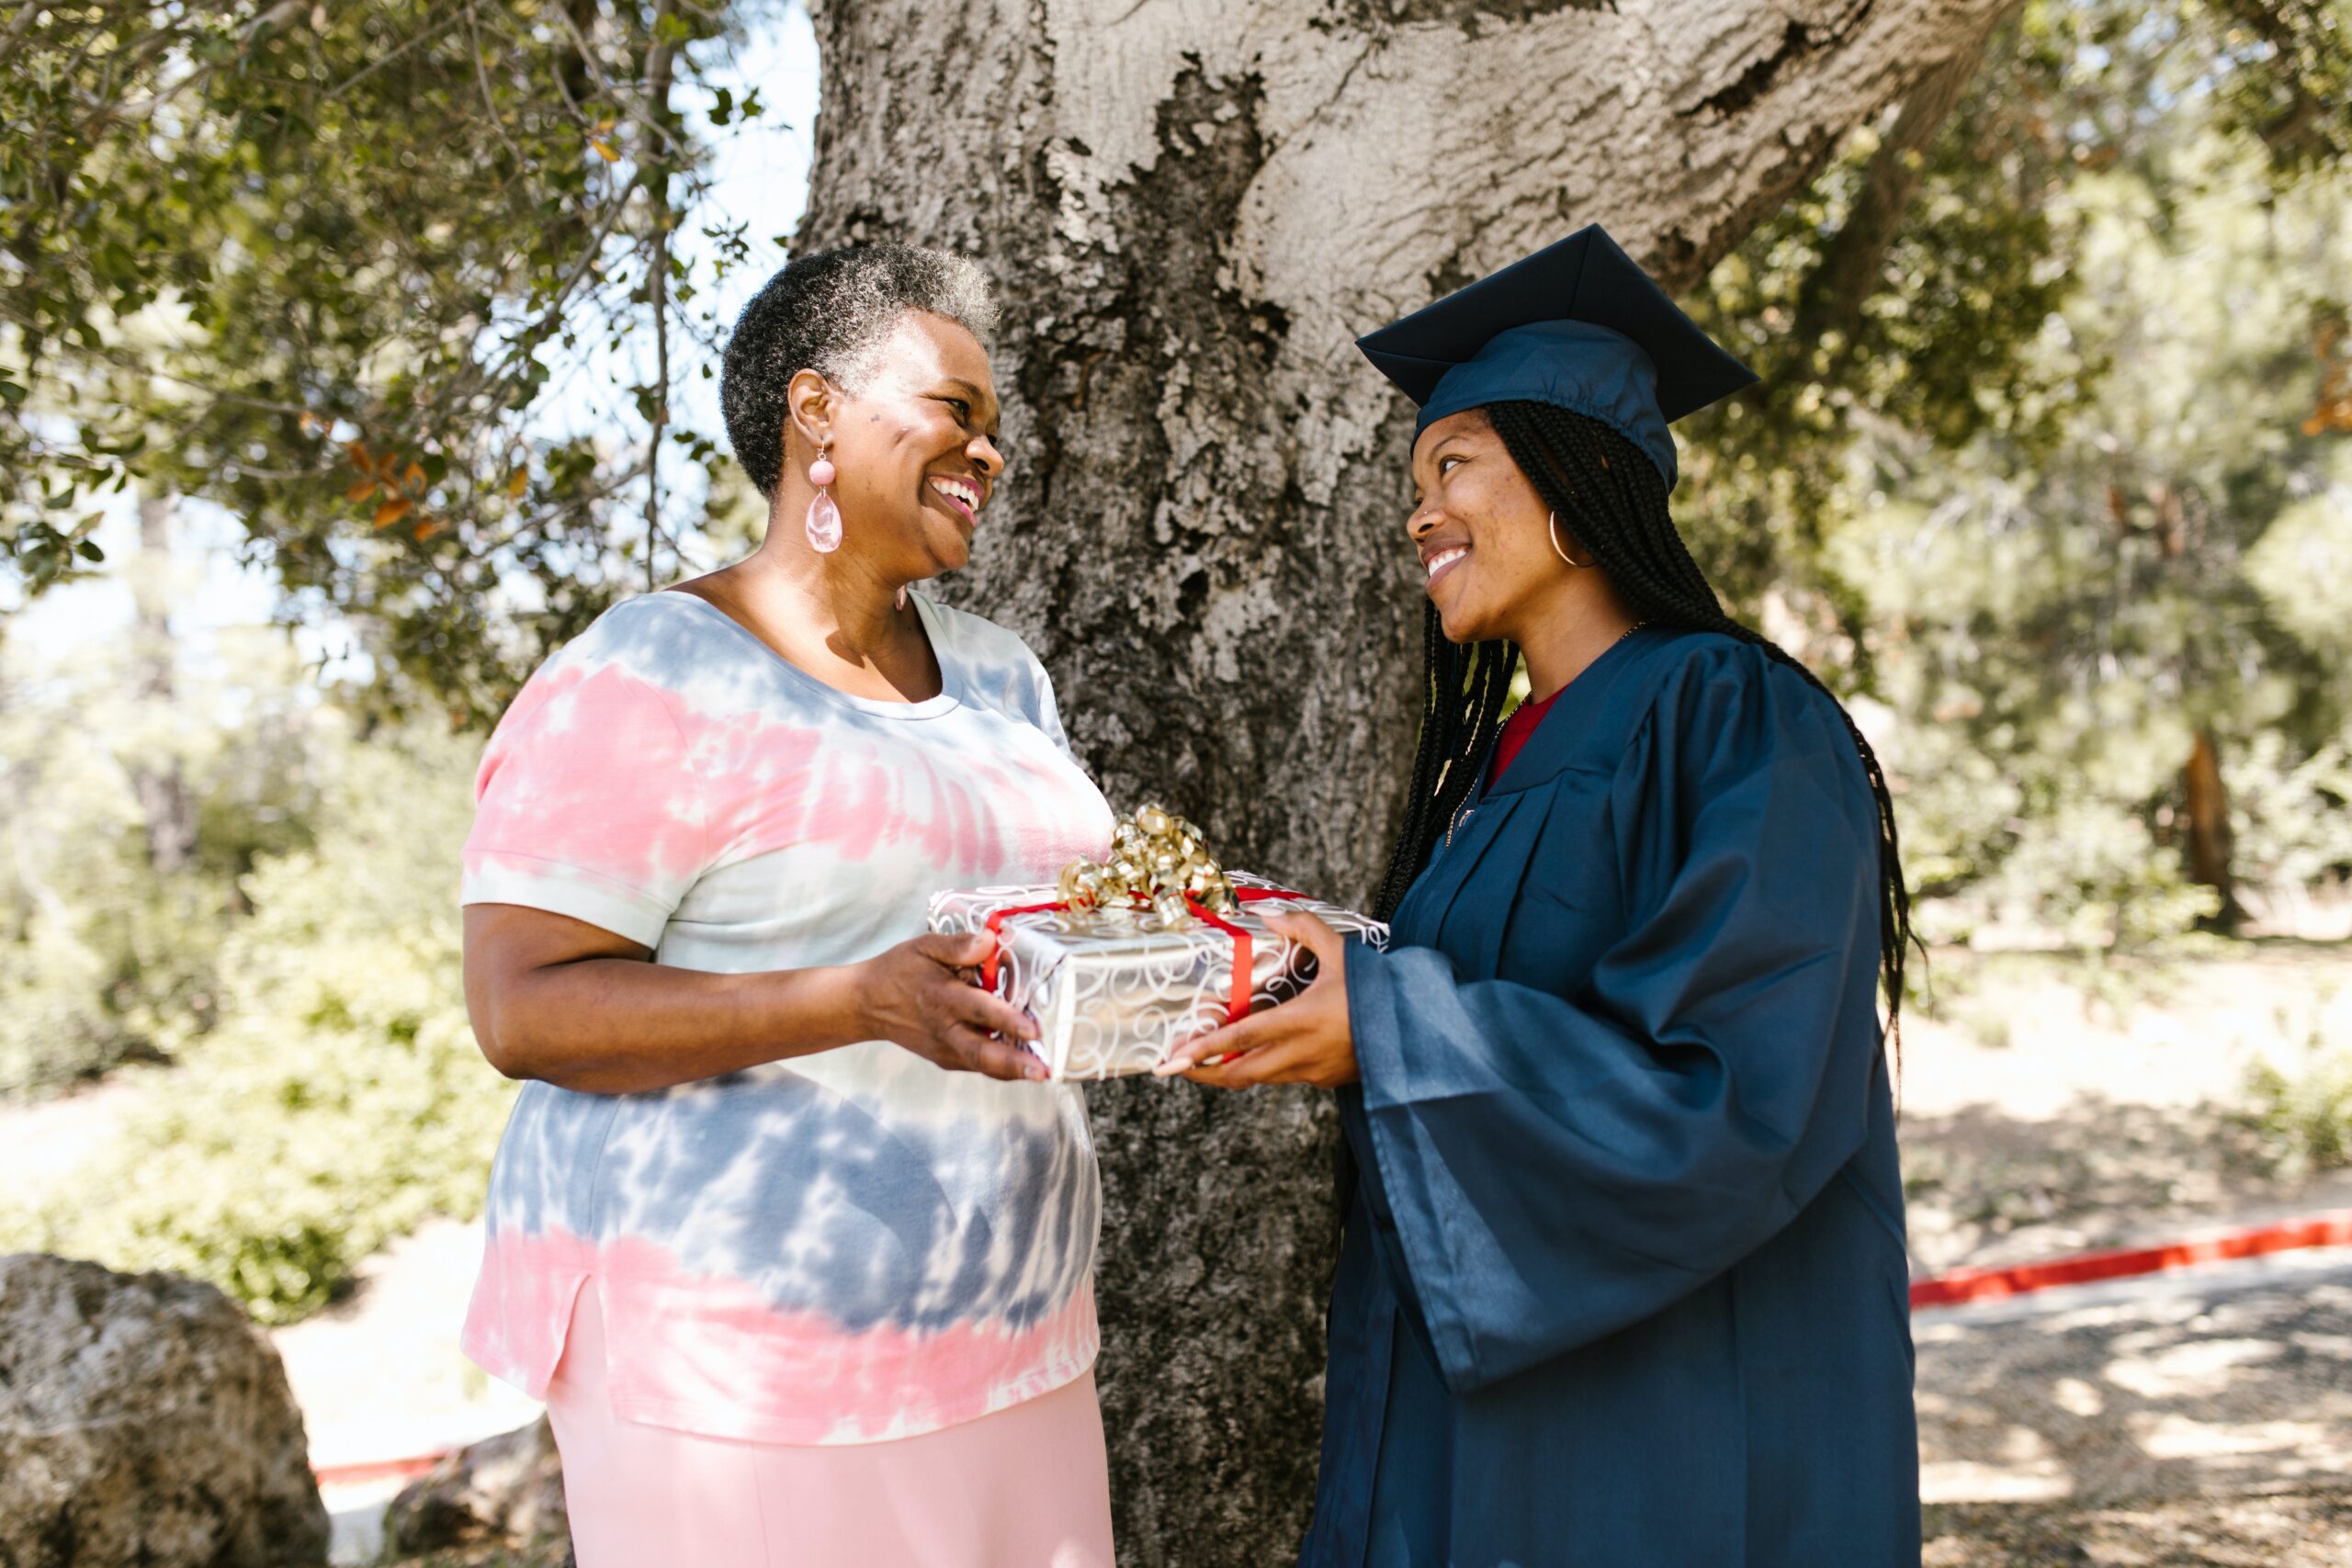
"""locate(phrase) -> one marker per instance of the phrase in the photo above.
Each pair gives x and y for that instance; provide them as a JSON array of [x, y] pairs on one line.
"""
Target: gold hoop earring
[[1552, 531]]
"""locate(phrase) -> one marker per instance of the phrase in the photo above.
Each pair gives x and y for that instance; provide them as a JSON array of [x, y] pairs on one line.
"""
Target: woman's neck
[[837, 622], [1574, 627]]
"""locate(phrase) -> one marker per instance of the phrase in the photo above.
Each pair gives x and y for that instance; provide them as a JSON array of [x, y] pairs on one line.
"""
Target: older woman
[[783, 1228]]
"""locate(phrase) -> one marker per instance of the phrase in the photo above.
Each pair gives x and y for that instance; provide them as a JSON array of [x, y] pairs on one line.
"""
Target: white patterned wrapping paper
[[1114, 990]]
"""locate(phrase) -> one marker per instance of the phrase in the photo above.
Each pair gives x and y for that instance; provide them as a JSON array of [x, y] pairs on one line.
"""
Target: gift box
[[1115, 985]]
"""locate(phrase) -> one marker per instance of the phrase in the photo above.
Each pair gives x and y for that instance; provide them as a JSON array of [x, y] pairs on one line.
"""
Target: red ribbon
[[996, 936], [1236, 1007]]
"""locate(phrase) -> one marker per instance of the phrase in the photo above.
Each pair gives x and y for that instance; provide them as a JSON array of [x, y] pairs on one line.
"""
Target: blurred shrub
[[2304, 1118], [2101, 876], [2292, 818], [340, 1098], [104, 958]]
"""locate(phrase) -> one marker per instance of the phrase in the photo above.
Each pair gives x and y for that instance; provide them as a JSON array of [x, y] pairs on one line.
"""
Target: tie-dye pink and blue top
[[838, 1248]]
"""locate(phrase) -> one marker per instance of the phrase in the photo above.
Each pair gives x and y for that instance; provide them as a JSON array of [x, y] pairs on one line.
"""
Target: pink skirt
[[1027, 1487]]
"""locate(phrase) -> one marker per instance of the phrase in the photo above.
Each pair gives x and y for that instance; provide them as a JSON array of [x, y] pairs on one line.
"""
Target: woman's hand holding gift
[[920, 995], [1306, 1040]]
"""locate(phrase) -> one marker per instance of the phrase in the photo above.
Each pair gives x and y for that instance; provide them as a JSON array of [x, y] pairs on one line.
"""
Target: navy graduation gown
[[1624, 1281]]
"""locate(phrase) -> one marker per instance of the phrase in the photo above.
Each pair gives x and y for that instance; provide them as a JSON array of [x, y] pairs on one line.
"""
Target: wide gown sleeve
[[1558, 1169]]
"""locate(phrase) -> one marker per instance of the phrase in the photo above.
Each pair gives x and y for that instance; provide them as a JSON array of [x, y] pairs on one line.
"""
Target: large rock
[[144, 1420], [507, 1488]]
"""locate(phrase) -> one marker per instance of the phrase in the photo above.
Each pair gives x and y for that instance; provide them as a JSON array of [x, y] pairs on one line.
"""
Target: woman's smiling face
[[1480, 529], [915, 448]]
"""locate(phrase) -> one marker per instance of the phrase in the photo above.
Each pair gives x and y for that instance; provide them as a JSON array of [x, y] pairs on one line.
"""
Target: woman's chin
[[1455, 620], [949, 547]]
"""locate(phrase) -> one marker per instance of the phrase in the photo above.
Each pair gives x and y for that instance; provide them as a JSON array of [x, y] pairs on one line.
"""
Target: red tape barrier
[[376, 1469], [1989, 1284]]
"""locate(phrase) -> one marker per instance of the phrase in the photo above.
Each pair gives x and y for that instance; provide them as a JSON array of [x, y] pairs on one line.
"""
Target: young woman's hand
[[1306, 1039], [920, 995]]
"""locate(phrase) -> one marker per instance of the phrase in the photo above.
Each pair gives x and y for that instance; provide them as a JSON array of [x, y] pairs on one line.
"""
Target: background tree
[[2093, 623]]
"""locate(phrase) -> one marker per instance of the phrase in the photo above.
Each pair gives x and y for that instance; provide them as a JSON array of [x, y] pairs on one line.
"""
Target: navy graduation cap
[[1577, 325]]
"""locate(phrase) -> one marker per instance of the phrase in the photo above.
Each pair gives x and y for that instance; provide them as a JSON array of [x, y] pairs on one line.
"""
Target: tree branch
[[490, 99], [22, 22], [2310, 124], [1831, 301], [611, 89], [658, 73], [424, 36]]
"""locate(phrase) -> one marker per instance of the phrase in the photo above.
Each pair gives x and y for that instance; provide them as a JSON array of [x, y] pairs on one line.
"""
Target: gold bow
[[1156, 856]]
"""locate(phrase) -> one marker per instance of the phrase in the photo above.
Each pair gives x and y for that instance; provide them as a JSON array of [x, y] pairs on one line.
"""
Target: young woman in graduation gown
[[1623, 1280]]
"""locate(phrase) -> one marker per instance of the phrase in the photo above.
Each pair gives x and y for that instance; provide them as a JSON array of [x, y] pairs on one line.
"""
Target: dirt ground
[[2203, 1417], [2050, 1106], [2301, 1528], [2232, 1378]]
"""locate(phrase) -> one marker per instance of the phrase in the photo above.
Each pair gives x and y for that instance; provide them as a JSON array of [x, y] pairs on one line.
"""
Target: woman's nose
[[983, 450], [1425, 517]]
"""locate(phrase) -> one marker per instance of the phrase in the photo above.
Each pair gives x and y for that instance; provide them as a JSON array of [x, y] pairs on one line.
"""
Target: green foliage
[[340, 1099], [2050, 492], [2293, 814], [2304, 1118], [103, 957], [2300, 105], [295, 960], [1945, 336], [322, 264], [2076, 620]]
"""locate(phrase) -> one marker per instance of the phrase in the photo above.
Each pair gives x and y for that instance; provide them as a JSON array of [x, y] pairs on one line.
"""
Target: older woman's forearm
[[582, 1008], [611, 1025]]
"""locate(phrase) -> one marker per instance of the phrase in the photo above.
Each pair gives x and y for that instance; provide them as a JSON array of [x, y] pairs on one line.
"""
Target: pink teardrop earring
[[824, 518]]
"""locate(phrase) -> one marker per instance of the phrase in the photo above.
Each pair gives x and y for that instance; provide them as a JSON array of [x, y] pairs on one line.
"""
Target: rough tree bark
[[1193, 206]]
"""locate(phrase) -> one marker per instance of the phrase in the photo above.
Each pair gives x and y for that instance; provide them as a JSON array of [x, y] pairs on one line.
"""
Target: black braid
[[1463, 689], [1462, 708], [1613, 500]]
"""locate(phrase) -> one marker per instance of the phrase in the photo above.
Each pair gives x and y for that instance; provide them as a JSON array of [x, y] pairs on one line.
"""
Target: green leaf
[[88, 550]]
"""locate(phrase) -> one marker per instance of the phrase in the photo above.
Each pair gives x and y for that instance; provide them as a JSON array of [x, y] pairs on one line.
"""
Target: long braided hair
[[1614, 500]]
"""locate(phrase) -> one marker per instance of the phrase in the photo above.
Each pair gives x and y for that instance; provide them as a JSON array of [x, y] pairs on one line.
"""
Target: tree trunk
[[2208, 828], [164, 802], [1192, 210]]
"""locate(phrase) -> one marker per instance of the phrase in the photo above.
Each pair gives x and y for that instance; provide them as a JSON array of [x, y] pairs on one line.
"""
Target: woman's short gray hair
[[831, 311]]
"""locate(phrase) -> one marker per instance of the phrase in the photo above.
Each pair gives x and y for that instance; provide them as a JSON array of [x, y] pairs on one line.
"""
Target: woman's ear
[[813, 402]]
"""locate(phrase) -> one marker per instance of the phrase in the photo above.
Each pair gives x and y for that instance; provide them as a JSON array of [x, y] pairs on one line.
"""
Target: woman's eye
[[1446, 465], [962, 409]]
